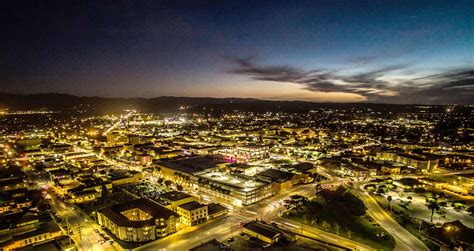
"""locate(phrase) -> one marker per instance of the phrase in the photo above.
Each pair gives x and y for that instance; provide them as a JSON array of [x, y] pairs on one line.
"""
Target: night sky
[[337, 51]]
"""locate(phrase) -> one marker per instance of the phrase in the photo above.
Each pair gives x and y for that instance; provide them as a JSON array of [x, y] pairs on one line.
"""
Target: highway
[[403, 238], [323, 235]]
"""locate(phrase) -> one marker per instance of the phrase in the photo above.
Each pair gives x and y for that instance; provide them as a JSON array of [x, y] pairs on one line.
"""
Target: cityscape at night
[[237, 125]]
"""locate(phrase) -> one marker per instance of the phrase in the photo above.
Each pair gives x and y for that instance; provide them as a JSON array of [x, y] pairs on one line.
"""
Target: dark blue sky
[[341, 51]]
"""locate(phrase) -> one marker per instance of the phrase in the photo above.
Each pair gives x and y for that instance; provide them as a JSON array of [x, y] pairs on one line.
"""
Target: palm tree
[[389, 199], [433, 206]]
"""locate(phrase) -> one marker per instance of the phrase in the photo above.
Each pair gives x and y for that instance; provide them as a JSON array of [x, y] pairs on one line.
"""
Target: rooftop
[[263, 229], [215, 208], [193, 165], [175, 196], [191, 206], [276, 175], [114, 213], [237, 181]]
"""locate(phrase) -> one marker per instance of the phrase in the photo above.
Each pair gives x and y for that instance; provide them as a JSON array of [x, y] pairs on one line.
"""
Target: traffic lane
[[185, 239], [321, 235], [86, 238], [404, 239]]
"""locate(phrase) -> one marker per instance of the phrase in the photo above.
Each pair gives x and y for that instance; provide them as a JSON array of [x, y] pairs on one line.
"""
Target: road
[[83, 228], [116, 124], [323, 235], [403, 238], [223, 228]]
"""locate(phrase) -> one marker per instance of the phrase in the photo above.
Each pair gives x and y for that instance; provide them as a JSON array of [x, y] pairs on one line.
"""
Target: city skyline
[[385, 52]]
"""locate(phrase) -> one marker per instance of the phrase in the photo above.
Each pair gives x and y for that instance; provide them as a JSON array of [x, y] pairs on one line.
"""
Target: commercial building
[[262, 231], [188, 167], [245, 153], [116, 138], [123, 177], [45, 232], [175, 198], [420, 162], [280, 180], [236, 189], [140, 220], [192, 213], [215, 210]]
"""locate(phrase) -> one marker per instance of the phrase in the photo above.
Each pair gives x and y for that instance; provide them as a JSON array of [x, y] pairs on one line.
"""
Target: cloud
[[377, 85]]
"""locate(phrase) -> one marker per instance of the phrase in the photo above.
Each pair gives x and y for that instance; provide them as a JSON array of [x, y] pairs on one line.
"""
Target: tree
[[471, 210], [168, 183], [179, 187], [345, 202], [326, 225], [433, 206], [419, 190], [389, 199]]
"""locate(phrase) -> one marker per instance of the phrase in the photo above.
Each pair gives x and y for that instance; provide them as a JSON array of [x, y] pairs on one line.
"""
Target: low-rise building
[[420, 162], [192, 213], [122, 177], [245, 153], [44, 233], [280, 180], [140, 220], [184, 169], [235, 189], [262, 231], [174, 199], [215, 210]]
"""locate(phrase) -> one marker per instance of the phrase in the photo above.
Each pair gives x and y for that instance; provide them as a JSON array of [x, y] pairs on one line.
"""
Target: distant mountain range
[[64, 102]]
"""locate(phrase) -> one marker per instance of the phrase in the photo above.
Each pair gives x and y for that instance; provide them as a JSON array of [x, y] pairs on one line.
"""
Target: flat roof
[[191, 206], [193, 165], [153, 209], [237, 181], [175, 196], [303, 167], [45, 228], [276, 175], [215, 208], [263, 229]]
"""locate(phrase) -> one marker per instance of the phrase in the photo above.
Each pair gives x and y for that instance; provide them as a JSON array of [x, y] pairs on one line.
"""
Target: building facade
[[140, 220]]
